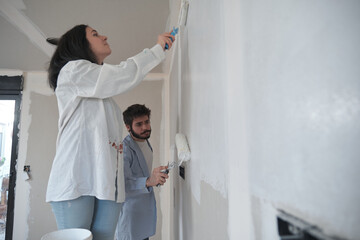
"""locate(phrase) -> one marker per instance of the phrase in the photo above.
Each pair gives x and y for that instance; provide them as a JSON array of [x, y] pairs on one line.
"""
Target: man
[[137, 219]]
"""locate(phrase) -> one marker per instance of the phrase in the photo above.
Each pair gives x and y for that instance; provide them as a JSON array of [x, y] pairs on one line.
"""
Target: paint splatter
[[119, 147]]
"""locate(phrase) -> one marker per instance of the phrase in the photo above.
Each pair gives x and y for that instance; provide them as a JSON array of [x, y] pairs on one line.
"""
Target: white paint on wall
[[291, 83], [203, 102], [302, 79], [198, 110], [240, 225]]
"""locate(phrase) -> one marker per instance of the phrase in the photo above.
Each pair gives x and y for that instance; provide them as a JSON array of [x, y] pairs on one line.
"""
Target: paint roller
[[183, 152], [182, 148], [182, 19]]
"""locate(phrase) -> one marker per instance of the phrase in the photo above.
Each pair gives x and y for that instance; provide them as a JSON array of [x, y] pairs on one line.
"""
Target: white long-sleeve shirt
[[88, 160]]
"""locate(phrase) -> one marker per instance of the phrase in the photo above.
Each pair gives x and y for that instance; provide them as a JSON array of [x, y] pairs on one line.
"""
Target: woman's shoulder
[[74, 70], [75, 64]]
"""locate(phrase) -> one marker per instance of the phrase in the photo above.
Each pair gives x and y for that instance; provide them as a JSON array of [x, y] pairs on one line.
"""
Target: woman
[[86, 184]]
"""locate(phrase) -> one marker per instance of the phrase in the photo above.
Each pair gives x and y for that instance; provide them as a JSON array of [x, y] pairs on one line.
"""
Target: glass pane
[[6, 131]]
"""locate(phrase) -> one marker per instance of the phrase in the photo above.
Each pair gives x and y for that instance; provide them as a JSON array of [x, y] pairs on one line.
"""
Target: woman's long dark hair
[[73, 45]]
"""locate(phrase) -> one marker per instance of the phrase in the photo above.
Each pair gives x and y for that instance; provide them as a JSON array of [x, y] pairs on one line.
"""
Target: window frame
[[11, 89]]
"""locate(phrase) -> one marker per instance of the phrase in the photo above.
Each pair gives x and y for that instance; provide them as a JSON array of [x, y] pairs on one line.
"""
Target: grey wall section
[[207, 220]]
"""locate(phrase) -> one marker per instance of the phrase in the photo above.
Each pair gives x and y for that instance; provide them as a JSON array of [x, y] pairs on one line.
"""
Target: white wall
[[270, 105], [302, 81], [198, 79]]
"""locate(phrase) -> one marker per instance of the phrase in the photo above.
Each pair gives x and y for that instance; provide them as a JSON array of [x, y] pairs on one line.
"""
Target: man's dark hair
[[134, 111], [73, 45]]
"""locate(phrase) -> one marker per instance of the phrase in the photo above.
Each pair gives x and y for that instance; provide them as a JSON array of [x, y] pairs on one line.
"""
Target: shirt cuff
[[158, 51], [142, 182]]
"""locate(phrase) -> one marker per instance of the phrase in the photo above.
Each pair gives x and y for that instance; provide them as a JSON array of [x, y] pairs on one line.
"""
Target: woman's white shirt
[[88, 158]]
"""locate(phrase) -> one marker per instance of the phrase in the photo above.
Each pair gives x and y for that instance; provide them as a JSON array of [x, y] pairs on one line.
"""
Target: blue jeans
[[88, 212]]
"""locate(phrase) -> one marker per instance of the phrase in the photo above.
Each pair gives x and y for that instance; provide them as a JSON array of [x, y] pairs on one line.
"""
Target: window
[[10, 98]]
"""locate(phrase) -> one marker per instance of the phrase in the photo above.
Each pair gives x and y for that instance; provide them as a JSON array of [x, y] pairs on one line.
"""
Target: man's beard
[[139, 136]]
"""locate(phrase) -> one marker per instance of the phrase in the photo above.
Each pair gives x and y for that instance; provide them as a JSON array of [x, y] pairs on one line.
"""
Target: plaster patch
[[40, 154], [23, 188]]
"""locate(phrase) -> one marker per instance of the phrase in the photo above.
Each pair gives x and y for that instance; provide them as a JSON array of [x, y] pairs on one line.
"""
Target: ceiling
[[130, 25]]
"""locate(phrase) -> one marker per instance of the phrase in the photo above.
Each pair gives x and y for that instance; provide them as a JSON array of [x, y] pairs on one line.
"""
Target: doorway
[[10, 99]]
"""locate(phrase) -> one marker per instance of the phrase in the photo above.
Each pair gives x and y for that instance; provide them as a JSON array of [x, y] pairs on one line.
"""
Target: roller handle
[[163, 171], [173, 32]]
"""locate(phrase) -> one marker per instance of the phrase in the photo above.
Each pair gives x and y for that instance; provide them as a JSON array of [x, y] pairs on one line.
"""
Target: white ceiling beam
[[10, 11]]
